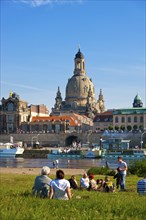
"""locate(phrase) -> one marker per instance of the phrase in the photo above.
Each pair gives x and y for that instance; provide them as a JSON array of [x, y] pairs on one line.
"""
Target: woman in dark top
[[73, 182]]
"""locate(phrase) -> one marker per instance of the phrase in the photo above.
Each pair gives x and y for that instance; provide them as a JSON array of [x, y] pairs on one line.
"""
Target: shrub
[[101, 171], [138, 168]]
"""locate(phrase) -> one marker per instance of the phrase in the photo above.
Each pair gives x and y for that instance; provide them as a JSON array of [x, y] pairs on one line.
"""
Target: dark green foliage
[[129, 128], [101, 171], [122, 127], [135, 127], [138, 168], [116, 127]]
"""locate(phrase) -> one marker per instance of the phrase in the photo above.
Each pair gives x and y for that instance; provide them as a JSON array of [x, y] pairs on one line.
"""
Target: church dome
[[137, 101], [79, 55], [77, 89], [137, 98]]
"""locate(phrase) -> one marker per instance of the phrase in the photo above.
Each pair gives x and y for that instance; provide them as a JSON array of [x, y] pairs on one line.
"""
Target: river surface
[[63, 163]]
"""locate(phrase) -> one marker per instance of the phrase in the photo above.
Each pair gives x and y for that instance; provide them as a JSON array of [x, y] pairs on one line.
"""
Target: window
[[10, 118], [135, 119], [129, 119], [116, 119], [122, 119], [141, 119], [78, 65], [10, 106]]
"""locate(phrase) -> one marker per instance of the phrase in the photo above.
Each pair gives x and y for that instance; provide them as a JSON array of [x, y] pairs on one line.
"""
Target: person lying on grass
[[42, 183], [60, 187]]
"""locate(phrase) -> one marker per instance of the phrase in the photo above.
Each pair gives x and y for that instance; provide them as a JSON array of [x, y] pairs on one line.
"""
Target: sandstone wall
[[60, 139]]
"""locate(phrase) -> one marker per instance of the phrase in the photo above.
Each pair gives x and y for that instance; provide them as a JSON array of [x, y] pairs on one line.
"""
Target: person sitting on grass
[[60, 187], [84, 181], [42, 183], [92, 183], [108, 185], [141, 186], [73, 182], [99, 183], [117, 176]]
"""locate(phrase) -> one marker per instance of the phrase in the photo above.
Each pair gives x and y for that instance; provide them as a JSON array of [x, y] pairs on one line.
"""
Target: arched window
[[129, 119], [135, 119], [78, 65], [10, 106], [116, 119], [141, 119], [123, 119], [83, 65]]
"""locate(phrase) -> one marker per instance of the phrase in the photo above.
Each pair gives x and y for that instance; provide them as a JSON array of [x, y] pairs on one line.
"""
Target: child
[[117, 176], [99, 183], [108, 185]]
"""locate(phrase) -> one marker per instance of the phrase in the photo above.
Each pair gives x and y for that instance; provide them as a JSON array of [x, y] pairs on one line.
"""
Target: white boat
[[129, 154], [10, 150], [58, 153], [94, 153]]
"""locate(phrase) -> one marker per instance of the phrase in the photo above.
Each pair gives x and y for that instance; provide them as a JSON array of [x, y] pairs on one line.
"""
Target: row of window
[[129, 119]]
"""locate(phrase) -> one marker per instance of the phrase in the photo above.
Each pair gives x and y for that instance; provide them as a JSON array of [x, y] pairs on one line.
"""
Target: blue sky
[[39, 39]]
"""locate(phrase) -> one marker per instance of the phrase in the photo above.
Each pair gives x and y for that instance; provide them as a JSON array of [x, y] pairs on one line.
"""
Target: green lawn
[[16, 202]]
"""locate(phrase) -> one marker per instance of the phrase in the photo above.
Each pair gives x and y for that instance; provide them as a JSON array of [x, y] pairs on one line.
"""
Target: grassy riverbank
[[16, 202]]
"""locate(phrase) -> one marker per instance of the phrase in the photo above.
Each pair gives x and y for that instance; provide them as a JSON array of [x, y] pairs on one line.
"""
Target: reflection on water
[[63, 163]]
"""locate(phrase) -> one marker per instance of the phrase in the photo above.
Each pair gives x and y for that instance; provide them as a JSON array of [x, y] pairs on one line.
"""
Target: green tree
[[129, 127], [135, 127], [116, 127], [141, 127], [110, 127], [122, 127]]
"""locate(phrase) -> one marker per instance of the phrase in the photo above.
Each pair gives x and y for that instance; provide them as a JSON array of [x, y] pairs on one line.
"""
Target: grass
[[17, 203]]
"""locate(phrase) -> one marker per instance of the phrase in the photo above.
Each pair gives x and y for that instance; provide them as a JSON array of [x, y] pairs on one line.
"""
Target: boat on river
[[68, 153], [129, 154], [10, 150], [92, 153]]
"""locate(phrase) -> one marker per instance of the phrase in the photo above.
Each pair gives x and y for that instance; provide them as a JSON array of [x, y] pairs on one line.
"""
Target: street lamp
[[141, 141]]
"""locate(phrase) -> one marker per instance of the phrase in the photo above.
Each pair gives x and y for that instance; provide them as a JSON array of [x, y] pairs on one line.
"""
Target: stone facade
[[14, 111], [58, 124], [133, 117], [103, 121], [80, 93]]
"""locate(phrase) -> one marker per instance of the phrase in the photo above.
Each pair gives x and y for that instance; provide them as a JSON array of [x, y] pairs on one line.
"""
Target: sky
[[39, 40]]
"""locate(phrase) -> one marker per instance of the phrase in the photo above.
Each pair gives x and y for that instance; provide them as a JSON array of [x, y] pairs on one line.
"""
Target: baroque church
[[80, 93]]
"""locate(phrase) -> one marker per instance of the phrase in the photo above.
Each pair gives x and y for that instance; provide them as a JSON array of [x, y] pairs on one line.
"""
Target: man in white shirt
[[122, 166], [84, 182]]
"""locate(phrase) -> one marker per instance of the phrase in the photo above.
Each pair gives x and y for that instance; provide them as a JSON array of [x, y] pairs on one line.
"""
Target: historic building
[[103, 121], [80, 93], [122, 119], [130, 118], [55, 124], [14, 111]]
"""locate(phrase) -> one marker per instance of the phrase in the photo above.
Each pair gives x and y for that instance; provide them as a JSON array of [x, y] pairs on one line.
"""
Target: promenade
[[37, 171]]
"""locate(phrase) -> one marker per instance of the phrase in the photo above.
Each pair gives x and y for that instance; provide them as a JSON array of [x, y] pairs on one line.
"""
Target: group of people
[[44, 187], [60, 188]]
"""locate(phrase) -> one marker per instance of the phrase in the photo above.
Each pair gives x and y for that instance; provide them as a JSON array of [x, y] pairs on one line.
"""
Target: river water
[[63, 163]]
